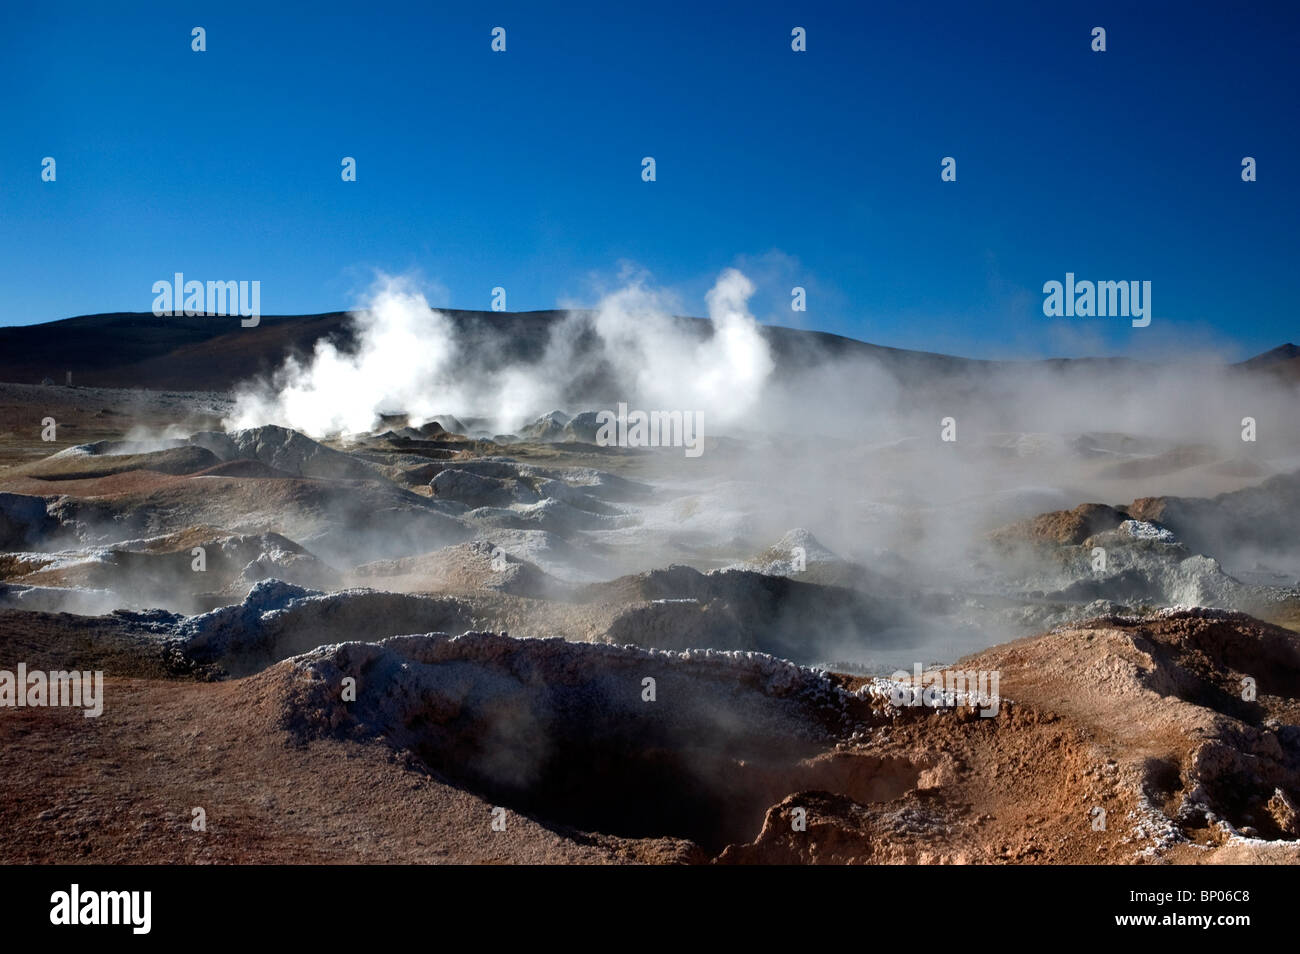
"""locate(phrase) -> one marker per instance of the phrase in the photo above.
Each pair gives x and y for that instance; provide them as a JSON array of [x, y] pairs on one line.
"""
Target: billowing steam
[[882, 455], [410, 358], [405, 357]]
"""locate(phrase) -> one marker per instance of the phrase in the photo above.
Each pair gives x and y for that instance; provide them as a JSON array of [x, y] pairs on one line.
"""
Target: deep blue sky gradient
[[522, 169]]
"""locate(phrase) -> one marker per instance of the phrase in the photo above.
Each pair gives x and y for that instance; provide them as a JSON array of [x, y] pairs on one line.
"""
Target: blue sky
[[522, 169]]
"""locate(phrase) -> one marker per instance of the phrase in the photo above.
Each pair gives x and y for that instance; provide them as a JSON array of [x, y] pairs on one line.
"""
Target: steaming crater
[[564, 731]]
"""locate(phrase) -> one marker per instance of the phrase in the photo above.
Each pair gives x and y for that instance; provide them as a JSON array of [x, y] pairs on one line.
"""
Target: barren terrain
[[356, 647]]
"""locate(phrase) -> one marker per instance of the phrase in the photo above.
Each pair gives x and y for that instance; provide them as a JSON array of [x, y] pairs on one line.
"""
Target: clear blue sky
[[522, 169]]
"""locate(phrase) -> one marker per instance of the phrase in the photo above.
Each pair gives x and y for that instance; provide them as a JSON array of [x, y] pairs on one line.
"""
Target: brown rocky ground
[[1141, 719], [1064, 526]]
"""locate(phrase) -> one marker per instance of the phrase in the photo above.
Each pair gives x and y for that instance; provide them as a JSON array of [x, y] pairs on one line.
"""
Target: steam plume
[[409, 357]]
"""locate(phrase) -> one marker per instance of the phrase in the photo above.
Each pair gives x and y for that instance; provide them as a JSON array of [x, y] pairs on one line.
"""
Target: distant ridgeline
[[215, 352]]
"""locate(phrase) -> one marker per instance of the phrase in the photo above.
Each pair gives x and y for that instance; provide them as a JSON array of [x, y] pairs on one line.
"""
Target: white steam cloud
[[410, 358], [405, 358]]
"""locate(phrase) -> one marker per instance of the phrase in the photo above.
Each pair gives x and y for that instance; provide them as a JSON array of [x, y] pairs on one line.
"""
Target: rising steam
[[410, 358]]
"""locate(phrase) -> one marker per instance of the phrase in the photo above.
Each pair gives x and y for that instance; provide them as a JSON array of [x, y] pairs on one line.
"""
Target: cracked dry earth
[[1141, 718]]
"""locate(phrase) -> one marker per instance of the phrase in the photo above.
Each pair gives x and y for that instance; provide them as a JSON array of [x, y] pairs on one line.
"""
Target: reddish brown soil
[[1091, 716]]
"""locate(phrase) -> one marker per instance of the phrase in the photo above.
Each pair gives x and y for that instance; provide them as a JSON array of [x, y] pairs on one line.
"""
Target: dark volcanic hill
[[215, 353]]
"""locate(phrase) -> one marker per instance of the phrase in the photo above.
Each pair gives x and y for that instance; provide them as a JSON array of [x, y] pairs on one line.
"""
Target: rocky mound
[[1217, 690], [475, 490], [1261, 518], [463, 568], [344, 523], [795, 552], [582, 427], [1116, 740], [549, 514], [547, 428], [443, 423], [167, 572], [176, 460], [277, 620], [1070, 527], [1133, 557], [583, 487], [1233, 527], [283, 450], [800, 555], [680, 607], [109, 448]]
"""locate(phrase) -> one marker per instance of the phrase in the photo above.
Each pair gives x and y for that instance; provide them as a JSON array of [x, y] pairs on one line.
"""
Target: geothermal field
[[406, 585]]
